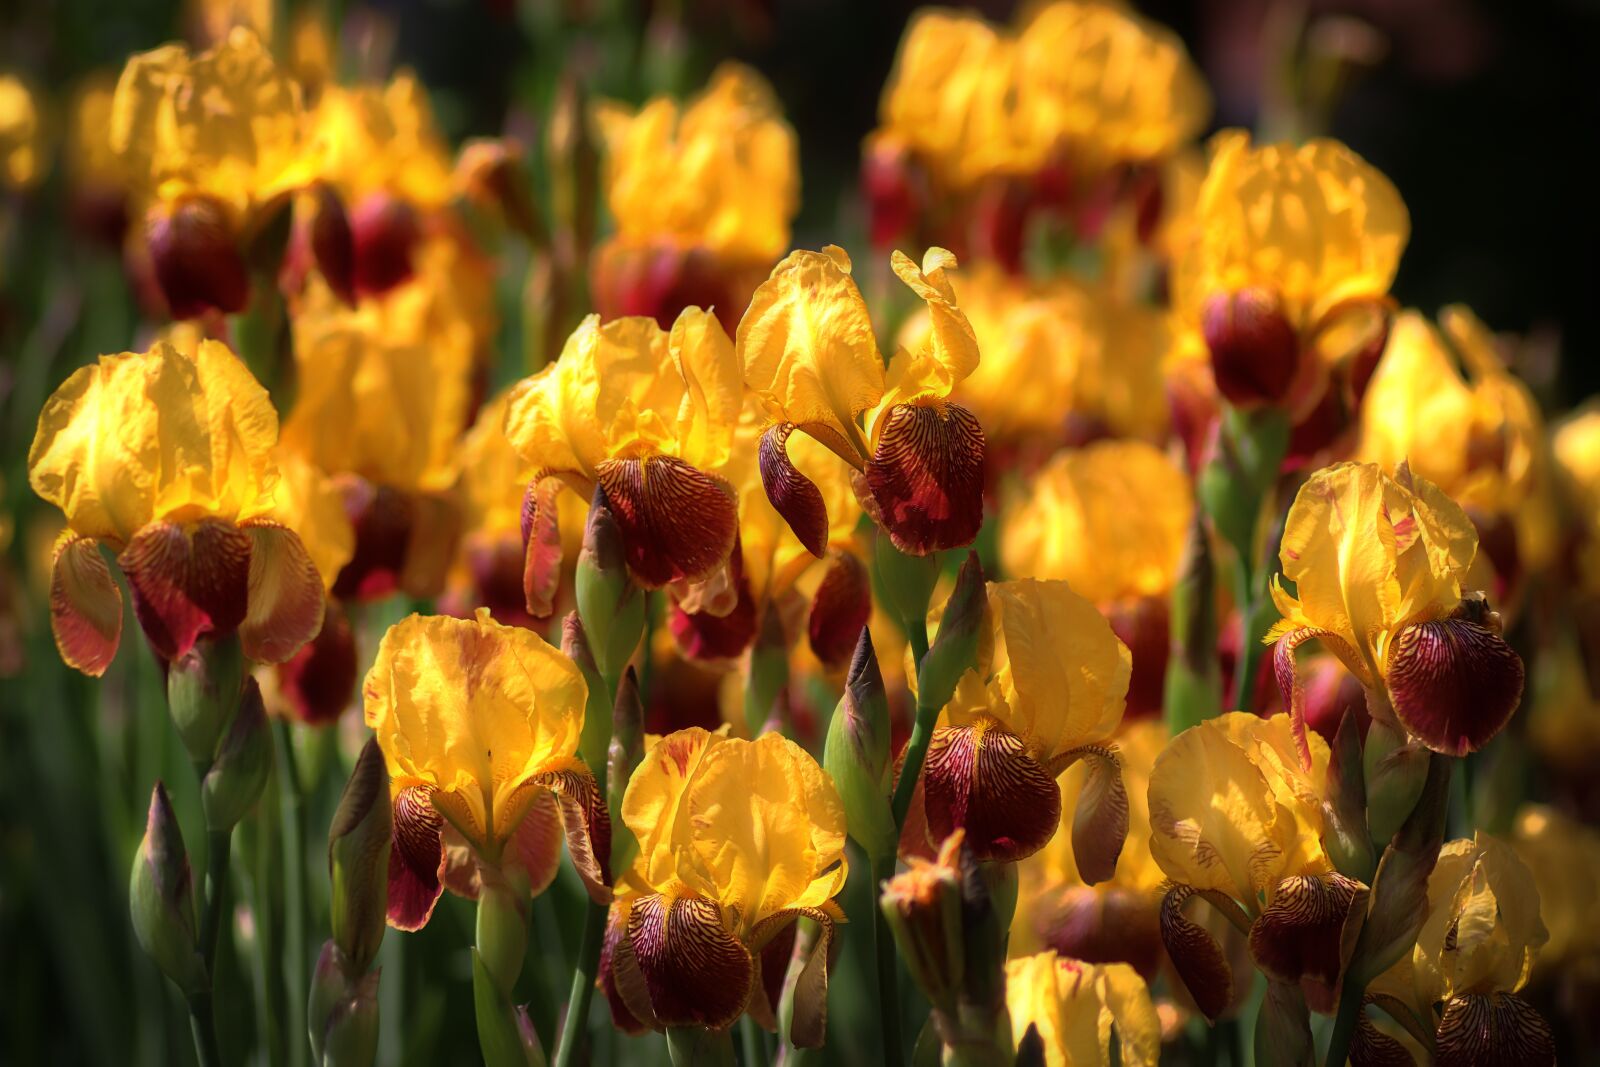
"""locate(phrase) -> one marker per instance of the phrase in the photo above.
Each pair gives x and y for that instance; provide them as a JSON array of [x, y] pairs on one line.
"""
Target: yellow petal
[[950, 343], [380, 138], [309, 503], [713, 389], [652, 807], [1075, 1005], [1271, 746], [494, 477]]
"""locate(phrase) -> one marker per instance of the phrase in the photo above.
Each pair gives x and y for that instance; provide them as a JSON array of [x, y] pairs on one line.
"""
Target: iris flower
[[20, 137], [807, 348], [737, 840], [1048, 692], [1378, 565], [647, 416], [479, 726], [166, 458], [1235, 816], [1074, 1006]]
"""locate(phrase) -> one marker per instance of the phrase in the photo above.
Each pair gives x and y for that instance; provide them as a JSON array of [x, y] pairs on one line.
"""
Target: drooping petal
[[696, 971], [1196, 955], [320, 678], [1100, 822], [809, 1022], [1105, 924], [707, 637], [541, 546], [1481, 1029], [187, 581], [1454, 683], [1288, 678], [980, 778], [416, 859], [841, 607], [678, 523], [618, 970], [285, 599], [926, 476], [587, 824], [536, 842], [792, 494], [1307, 932], [85, 606]]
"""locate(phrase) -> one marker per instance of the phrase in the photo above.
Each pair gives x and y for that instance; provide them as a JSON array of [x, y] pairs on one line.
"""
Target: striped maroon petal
[[710, 638], [772, 967], [1103, 924], [187, 581], [1454, 683], [1195, 954], [285, 594], [841, 607], [926, 477], [1288, 677], [678, 523], [541, 545], [792, 494], [319, 679], [85, 606], [587, 825], [696, 971], [1480, 1030], [980, 778], [617, 970], [1371, 1047], [416, 859], [1100, 822], [1307, 933], [808, 1023]]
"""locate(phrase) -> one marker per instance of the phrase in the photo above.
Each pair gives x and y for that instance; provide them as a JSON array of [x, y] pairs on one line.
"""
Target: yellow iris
[[20, 138], [1074, 1007], [380, 139], [1576, 445]]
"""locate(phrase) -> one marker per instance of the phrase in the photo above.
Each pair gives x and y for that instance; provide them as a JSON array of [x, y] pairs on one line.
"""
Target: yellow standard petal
[[1076, 1008]]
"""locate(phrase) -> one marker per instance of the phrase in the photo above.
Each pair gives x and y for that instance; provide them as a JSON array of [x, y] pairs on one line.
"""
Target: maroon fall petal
[[610, 978], [926, 477], [382, 520], [840, 609], [333, 243], [195, 255], [678, 523], [187, 581], [1143, 625], [1478, 1030], [1371, 1047], [981, 778], [85, 606], [1307, 933], [1454, 684], [1103, 924], [319, 680], [384, 232], [285, 591], [710, 638], [696, 971], [1195, 954], [541, 546], [1255, 352], [792, 495], [416, 859]]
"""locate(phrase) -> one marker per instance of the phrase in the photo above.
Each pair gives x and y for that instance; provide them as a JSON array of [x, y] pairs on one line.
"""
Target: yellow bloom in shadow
[[1074, 1006]]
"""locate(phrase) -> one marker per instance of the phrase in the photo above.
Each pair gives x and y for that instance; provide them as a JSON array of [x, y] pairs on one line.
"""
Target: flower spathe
[[166, 457], [808, 352], [1378, 565], [1048, 691], [479, 726], [737, 840], [647, 416], [1074, 1007]]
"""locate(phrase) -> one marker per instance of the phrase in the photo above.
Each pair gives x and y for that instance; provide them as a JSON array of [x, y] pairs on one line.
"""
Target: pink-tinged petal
[[1454, 683], [1100, 823], [1196, 955], [384, 232], [617, 969], [187, 581], [1103, 924], [85, 606], [285, 600], [678, 523], [840, 609], [792, 494], [416, 859], [536, 842], [320, 678], [980, 778], [926, 477], [381, 517], [1484, 1030], [709, 638], [541, 546], [1288, 677], [696, 971], [1307, 933], [587, 825]]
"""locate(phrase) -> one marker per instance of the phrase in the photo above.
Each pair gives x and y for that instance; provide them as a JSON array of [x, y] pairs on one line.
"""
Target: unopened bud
[[611, 607], [574, 165], [907, 582], [503, 1037], [1344, 835], [955, 650], [1283, 1029], [333, 242], [1399, 901], [922, 906], [203, 689], [502, 931], [1255, 353], [358, 859], [856, 755], [1395, 769], [385, 231], [194, 251], [1249, 450], [235, 781], [161, 898], [342, 1016]]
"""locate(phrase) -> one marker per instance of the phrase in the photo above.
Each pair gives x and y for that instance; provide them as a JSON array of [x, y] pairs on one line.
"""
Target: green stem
[[203, 1021], [292, 824], [916, 753], [753, 1042], [1344, 1024], [219, 843], [1255, 624], [594, 929], [917, 634], [888, 969], [694, 1046]]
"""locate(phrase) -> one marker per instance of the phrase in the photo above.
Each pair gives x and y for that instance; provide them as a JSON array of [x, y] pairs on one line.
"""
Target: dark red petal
[[381, 517], [926, 476], [1196, 955], [809, 1021], [1254, 351], [384, 231], [85, 606], [1307, 932], [195, 254], [416, 859], [1493, 1029], [587, 824], [708, 638], [187, 581], [613, 977], [792, 494], [697, 973], [285, 598], [333, 243], [840, 609], [1142, 624], [320, 678], [541, 546], [772, 967], [678, 523], [1100, 823], [982, 779], [1454, 683], [1103, 924]]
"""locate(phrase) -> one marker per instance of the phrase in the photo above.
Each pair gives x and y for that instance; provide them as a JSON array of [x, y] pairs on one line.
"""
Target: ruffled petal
[[1307, 932], [841, 607], [695, 970], [926, 477], [536, 842], [85, 606], [980, 778], [678, 523], [286, 601], [1198, 958], [587, 824], [416, 860], [1454, 683], [792, 494], [187, 581], [1493, 1028]]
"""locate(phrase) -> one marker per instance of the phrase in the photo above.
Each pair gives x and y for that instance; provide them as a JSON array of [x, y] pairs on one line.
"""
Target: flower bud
[[907, 582], [1399, 900], [504, 1038], [625, 751], [203, 688], [161, 898], [574, 166], [1283, 1028], [1254, 351], [1193, 691], [502, 931], [923, 908], [342, 1016], [955, 650], [1395, 770], [491, 172], [384, 230], [1249, 449], [235, 781], [611, 607], [358, 859], [856, 755], [1344, 834], [195, 254]]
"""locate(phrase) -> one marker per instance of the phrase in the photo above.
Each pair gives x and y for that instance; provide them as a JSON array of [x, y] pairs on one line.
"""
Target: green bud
[[502, 935], [922, 907], [235, 781], [625, 752], [983, 935], [610, 605], [1283, 1028], [856, 754], [161, 898], [1395, 770], [573, 162], [358, 859], [1344, 833], [768, 672], [1194, 679], [905, 582], [955, 650], [203, 689], [342, 1016], [1399, 901]]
